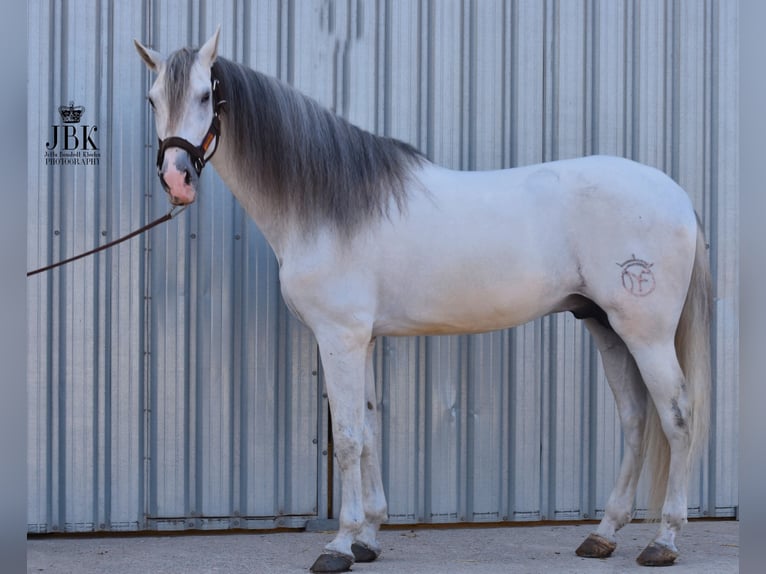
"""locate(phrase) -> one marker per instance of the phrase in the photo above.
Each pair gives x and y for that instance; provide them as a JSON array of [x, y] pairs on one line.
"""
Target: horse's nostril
[[187, 177]]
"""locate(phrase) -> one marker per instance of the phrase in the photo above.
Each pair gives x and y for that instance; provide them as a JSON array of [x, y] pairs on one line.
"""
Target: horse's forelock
[[177, 78]]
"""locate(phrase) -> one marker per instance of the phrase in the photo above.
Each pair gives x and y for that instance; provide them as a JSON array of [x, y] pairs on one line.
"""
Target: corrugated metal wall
[[169, 388]]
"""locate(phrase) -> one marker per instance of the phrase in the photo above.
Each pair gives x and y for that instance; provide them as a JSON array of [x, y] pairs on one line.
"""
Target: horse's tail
[[693, 350]]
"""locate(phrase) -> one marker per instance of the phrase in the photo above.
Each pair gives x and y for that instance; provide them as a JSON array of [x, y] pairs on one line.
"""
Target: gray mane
[[309, 163]]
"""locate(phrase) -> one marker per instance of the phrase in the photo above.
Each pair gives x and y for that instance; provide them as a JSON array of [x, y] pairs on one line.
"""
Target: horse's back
[[572, 186]]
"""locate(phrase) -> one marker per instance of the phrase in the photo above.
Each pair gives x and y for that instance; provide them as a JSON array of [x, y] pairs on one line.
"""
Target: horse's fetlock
[[623, 519], [352, 522], [377, 514], [674, 521]]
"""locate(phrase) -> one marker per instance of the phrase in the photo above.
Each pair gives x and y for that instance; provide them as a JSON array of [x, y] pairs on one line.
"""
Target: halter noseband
[[198, 153]]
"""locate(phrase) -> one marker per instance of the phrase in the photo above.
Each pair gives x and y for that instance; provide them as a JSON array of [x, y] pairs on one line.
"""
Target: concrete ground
[[706, 547]]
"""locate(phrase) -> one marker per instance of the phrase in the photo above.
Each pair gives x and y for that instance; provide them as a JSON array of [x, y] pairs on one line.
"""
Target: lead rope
[[175, 210]]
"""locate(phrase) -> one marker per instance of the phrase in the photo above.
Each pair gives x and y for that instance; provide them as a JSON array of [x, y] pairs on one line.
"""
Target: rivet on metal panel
[[314, 441], [56, 232], [103, 233], [237, 237], [324, 453], [193, 236]]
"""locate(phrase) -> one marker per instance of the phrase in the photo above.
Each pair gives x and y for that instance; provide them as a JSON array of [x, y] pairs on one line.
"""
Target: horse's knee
[[348, 446]]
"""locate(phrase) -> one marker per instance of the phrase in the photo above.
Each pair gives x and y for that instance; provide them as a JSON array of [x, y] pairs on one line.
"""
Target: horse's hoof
[[657, 555], [595, 546], [363, 553], [332, 562]]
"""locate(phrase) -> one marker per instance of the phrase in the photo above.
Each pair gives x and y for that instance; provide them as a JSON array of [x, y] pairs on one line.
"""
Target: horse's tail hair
[[692, 344]]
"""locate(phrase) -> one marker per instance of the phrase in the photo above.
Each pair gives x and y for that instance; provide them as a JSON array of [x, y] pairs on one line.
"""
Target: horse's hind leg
[[366, 547], [665, 381], [630, 396]]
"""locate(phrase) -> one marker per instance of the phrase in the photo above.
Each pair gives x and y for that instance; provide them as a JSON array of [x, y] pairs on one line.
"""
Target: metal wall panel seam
[[723, 485]]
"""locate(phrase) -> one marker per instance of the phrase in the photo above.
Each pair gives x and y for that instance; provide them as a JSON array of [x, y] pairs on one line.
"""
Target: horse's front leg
[[366, 547], [344, 356]]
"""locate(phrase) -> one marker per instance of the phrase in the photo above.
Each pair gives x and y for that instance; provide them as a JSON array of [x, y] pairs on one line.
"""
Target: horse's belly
[[466, 304], [450, 324]]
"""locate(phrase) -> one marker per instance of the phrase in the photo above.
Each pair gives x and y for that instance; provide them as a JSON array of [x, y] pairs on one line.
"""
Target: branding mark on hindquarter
[[637, 276]]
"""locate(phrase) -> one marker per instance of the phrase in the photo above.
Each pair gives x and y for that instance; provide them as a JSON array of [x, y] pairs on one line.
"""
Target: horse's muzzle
[[178, 177]]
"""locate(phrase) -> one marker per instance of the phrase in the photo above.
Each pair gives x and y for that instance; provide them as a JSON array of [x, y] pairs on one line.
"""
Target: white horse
[[373, 239]]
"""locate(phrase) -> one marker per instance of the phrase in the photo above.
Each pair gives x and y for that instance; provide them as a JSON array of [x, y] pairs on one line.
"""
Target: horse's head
[[185, 114]]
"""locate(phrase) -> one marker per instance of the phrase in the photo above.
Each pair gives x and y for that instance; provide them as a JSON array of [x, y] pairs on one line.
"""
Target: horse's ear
[[209, 52], [151, 58]]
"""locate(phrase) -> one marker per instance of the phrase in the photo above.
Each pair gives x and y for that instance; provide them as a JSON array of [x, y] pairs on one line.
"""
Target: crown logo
[[71, 114]]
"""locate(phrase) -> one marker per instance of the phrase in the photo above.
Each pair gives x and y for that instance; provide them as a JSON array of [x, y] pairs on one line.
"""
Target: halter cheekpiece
[[198, 153]]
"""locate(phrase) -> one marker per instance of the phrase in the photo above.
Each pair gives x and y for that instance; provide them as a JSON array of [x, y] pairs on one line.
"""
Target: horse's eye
[[205, 98]]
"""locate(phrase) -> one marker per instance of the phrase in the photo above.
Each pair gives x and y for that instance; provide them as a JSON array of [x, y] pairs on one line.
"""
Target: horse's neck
[[269, 222]]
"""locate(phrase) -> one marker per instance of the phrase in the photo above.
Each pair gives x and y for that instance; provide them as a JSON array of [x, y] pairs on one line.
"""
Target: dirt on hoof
[[332, 562], [657, 555], [595, 546], [363, 553]]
